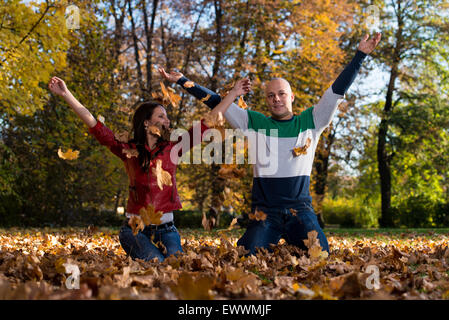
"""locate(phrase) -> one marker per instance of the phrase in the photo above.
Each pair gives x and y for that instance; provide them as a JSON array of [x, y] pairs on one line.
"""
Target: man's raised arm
[[210, 98], [324, 111]]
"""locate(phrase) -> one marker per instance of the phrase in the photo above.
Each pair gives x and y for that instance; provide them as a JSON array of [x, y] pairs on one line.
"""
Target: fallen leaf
[[190, 288]]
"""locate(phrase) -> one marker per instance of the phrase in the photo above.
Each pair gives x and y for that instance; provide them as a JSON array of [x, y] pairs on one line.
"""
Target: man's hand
[[172, 76], [58, 87], [367, 46], [241, 87]]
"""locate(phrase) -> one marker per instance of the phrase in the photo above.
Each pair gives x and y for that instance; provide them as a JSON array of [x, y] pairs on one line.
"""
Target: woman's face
[[159, 117]]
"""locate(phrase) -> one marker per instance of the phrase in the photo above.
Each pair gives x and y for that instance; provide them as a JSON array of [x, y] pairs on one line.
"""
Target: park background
[[382, 163]]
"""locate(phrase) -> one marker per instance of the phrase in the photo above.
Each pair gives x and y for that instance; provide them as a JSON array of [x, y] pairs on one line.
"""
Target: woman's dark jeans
[[140, 246], [281, 223]]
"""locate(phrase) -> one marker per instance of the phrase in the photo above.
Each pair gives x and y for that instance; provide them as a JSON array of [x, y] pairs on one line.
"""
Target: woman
[[151, 171]]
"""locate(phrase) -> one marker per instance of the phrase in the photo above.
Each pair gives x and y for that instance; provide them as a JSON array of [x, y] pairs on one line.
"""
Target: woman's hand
[[58, 87], [173, 76], [241, 87]]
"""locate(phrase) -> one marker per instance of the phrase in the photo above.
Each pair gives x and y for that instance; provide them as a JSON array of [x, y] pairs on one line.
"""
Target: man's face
[[279, 98]]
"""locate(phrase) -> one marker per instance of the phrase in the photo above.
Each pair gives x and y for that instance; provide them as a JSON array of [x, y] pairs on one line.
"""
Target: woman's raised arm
[[58, 87]]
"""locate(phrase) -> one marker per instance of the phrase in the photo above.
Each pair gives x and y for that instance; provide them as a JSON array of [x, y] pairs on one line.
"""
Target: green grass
[[386, 231], [216, 233]]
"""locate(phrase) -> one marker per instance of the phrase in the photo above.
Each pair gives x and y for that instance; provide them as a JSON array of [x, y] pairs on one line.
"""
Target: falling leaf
[[164, 89], [136, 224], [167, 96], [163, 177], [230, 171], [214, 120], [126, 110], [302, 150], [241, 103], [189, 84], [258, 215], [122, 136], [69, 155], [150, 216], [154, 131], [130, 153], [293, 212], [233, 223]]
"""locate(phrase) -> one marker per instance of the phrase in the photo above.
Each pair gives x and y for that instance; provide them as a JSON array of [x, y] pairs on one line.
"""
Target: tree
[[414, 32]]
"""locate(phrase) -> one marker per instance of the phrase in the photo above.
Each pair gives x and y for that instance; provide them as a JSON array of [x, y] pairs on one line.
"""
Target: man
[[283, 195]]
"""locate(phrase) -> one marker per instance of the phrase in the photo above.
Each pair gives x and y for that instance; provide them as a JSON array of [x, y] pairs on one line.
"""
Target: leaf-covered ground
[[412, 264]]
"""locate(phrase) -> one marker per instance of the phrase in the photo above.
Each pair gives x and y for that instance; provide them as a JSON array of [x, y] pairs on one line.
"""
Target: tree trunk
[[136, 51], [219, 183], [383, 158], [149, 37]]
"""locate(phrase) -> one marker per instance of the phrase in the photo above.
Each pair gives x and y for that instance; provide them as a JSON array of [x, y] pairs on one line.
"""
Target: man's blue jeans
[[140, 246], [281, 223]]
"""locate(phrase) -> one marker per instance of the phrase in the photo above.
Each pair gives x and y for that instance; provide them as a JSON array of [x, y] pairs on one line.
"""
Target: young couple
[[284, 196]]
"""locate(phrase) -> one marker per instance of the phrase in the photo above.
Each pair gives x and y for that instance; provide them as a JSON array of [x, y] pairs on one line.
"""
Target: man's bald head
[[279, 97]]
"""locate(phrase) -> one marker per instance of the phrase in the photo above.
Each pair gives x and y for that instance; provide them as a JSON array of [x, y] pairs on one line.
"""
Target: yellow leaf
[[242, 104], [69, 155]]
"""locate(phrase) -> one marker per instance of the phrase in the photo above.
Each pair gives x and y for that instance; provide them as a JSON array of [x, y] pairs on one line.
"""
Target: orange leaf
[[302, 150], [136, 224], [242, 104], [258, 215], [189, 84], [150, 216]]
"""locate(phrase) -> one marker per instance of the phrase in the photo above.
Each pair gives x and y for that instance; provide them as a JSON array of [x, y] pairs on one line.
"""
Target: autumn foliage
[[412, 266]]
